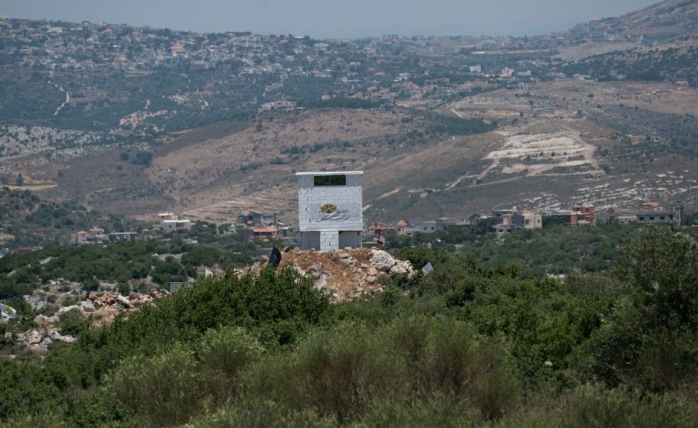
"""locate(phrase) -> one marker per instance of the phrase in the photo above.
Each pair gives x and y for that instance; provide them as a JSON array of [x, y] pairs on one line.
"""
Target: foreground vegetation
[[470, 344]]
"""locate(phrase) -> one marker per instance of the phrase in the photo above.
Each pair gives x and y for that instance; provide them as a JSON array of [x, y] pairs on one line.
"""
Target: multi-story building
[[586, 214], [176, 225], [577, 216], [94, 235], [657, 217], [647, 213], [532, 220], [514, 221]]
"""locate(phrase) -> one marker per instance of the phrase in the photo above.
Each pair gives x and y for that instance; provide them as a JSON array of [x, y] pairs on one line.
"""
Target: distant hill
[[664, 22], [15, 205], [26, 219], [609, 144], [655, 44]]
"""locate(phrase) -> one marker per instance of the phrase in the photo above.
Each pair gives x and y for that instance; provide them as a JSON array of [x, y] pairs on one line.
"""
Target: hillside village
[[268, 231], [120, 104], [383, 71], [102, 46], [269, 228]]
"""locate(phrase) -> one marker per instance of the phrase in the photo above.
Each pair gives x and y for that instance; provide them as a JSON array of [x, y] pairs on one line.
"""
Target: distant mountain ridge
[[663, 22]]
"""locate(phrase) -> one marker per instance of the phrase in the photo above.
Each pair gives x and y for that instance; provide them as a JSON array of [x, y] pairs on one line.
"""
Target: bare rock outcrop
[[40, 340], [384, 262]]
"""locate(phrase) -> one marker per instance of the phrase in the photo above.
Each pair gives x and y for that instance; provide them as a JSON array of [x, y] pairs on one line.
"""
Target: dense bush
[[116, 262], [651, 342], [346, 370], [164, 389]]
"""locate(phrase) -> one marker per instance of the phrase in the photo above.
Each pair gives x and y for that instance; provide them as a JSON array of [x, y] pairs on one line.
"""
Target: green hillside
[[466, 345]]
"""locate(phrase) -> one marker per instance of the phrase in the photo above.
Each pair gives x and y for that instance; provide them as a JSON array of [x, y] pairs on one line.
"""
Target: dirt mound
[[348, 273]]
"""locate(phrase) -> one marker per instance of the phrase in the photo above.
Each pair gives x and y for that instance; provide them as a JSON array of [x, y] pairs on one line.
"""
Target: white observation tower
[[330, 213]]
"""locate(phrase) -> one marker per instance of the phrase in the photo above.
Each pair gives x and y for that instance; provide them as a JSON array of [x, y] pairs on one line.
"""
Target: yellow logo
[[328, 209]]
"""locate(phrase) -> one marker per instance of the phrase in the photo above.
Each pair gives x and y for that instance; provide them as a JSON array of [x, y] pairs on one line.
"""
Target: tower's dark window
[[329, 180]]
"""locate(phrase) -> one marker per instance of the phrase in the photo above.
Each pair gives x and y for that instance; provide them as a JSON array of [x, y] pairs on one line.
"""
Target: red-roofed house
[[264, 234]]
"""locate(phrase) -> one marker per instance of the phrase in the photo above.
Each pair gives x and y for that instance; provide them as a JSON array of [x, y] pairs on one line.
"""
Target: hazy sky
[[332, 18]]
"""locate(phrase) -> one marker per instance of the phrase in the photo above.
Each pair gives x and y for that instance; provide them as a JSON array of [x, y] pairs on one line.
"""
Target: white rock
[[321, 282], [57, 337], [314, 271], [35, 301], [298, 270], [86, 306], [348, 261], [31, 337], [402, 267], [398, 268], [381, 260], [64, 310], [124, 301], [41, 319]]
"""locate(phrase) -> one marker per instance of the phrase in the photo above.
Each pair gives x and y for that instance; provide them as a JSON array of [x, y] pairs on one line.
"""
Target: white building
[[176, 225], [330, 212]]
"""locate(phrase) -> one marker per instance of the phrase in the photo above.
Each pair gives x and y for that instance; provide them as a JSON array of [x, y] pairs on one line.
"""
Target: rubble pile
[[39, 340], [100, 307], [108, 305], [346, 274]]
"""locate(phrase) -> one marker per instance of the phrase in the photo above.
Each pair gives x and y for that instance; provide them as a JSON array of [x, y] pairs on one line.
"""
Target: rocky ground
[[345, 274], [100, 308]]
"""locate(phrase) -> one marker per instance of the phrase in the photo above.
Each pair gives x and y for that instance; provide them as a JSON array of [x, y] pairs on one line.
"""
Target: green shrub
[[460, 362], [45, 420], [228, 350], [342, 371], [592, 406], [90, 285], [165, 389], [25, 391], [73, 323], [649, 341], [263, 415], [334, 372], [124, 288], [417, 412], [662, 266]]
